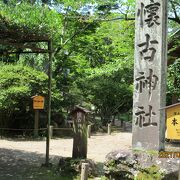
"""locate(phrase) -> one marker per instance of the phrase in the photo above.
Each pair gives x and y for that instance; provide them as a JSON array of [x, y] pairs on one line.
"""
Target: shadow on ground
[[22, 165]]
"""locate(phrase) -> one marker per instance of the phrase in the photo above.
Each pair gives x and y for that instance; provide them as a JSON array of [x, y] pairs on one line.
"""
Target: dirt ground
[[99, 145], [22, 159], [19, 159]]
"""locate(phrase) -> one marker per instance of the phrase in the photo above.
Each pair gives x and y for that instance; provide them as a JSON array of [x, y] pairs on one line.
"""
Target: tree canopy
[[93, 44]]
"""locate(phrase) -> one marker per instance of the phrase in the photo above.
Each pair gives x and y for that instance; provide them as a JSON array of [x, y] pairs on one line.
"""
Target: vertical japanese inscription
[[148, 53], [149, 13], [146, 82], [149, 73]]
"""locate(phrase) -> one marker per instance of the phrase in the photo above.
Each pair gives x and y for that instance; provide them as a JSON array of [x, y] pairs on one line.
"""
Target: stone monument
[[79, 116], [150, 74]]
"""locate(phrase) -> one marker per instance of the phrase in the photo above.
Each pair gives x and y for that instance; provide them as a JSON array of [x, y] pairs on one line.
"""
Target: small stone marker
[[109, 128], [79, 116], [84, 171], [150, 74]]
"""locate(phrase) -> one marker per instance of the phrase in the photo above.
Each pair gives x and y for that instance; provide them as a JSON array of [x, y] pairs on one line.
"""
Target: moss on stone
[[150, 152], [152, 172]]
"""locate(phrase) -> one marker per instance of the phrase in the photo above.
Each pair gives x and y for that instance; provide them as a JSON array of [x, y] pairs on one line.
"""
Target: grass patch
[[150, 173], [48, 173], [150, 152]]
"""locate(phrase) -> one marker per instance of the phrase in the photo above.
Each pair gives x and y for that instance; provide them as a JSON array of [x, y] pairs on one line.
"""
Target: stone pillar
[[150, 74]]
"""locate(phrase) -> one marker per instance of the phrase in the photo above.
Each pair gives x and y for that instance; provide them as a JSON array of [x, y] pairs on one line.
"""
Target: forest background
[[93, 58]]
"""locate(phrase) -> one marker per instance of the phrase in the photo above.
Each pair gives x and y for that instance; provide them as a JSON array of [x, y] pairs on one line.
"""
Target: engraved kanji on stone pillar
[[150, 74]]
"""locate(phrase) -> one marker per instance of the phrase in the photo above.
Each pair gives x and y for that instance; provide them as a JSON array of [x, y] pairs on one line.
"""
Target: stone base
[[128, 165]]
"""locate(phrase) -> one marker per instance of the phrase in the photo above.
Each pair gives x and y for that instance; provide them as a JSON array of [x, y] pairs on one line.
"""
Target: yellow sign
[[173, 122], [38, 102]]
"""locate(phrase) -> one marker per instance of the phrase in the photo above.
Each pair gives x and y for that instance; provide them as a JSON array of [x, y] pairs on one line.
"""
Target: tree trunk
[[174, 99]]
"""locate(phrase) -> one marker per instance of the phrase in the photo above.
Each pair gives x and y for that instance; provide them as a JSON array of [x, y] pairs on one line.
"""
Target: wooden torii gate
[[21, 40]]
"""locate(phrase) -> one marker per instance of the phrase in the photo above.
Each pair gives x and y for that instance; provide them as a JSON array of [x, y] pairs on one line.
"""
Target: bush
[[18, 84]]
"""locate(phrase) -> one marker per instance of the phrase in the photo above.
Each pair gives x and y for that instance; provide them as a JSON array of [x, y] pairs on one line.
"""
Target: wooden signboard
[[38, 102], [173, 122]]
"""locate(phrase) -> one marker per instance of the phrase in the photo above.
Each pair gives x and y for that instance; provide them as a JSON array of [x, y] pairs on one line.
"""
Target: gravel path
[[99, 145], [20, 160]]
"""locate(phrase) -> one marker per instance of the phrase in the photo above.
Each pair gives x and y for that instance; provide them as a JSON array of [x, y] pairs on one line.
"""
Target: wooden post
[[122, 121], [113, 120], [51, 131], [84, 171], [124, 125], [49, 102], [109, 128], [36, 123], [89, 131]]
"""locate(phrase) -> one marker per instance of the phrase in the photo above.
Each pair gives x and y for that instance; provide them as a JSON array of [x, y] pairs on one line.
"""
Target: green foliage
[[109, 77], [149, 173], [118, 171], [72, 166], [29, 18], [48, 173], [18, 83], [174, 79], [93, 59]]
